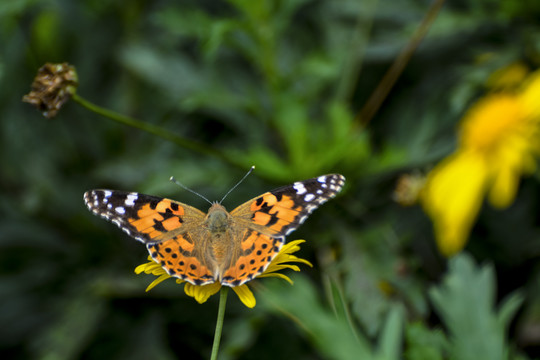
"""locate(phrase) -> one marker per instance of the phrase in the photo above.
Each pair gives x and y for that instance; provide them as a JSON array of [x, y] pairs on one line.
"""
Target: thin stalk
[[219, 324], [388, 81], [155, 130]]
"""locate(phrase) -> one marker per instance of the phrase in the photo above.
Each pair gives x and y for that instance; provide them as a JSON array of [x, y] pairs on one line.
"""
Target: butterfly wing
[[263, 222], [170, 230]]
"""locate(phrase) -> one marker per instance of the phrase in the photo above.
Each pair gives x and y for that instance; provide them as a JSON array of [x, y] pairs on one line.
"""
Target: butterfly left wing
[[169, 229], [268, 218]]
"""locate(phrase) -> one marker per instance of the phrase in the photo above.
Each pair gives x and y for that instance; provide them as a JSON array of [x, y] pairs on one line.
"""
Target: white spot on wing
[[309, 197], [300, 188], [120, 210], [130, 199], [321, 179]]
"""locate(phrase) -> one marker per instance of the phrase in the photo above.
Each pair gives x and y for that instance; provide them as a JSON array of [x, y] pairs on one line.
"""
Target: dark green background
[[275, 84]]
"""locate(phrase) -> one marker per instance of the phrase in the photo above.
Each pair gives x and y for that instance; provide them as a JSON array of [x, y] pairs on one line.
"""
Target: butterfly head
[[218, 219]]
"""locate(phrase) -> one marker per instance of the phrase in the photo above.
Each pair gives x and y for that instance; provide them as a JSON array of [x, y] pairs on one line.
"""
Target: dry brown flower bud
[[408, 189], [52, 88]]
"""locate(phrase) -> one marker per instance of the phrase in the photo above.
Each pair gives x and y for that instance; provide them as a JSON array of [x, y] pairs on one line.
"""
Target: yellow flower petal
[[282, 260], [452, 198], [201, 293], [157, 281], [139, 269], [273, 267], [278, 275], [498, 143], [530, 95], [504, 188], [245, 295], [489, 122], [150, 267]]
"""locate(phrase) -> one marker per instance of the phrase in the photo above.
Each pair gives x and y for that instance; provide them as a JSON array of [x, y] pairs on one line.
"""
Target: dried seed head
[[52, 88]]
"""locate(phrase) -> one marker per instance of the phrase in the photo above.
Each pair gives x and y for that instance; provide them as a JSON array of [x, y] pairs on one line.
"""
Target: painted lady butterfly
[[231, 248]]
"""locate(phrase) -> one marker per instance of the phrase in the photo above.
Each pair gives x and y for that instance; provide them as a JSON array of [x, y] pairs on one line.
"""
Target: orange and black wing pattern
[[268, 218], [143, 217], [164, 225]]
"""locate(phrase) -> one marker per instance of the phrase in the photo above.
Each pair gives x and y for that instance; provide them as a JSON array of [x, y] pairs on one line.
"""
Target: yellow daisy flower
[[498, 142], [201, 293]]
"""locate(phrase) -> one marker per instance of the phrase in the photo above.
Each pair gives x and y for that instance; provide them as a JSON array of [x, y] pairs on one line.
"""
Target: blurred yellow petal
[[498, 143], [507, 164], [452, 198], [245, 295], [530, 96], [504, 188], [489, 122]]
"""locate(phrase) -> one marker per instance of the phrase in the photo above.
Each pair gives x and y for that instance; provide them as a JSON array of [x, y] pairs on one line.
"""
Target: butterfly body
[[228, 247]]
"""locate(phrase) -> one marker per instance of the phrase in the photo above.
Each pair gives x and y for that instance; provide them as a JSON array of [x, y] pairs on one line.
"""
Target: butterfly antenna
[[238, 183], [188, 189]]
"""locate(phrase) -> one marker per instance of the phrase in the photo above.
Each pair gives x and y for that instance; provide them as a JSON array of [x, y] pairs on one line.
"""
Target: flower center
[[490, 123]]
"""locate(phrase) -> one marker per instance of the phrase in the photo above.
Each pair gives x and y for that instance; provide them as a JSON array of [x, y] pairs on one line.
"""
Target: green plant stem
[[156, 130], [219, 324], [383, 89]]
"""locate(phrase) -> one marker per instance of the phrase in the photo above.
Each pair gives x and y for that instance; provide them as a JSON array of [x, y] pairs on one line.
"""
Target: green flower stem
[[219, 325], [156, 130]]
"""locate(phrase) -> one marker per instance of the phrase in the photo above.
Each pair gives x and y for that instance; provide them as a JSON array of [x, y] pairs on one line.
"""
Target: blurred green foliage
[[275, 84]]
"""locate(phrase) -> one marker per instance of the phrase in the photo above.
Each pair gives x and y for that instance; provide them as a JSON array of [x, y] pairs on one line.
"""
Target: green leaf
[[330, 334], [465, 301], [424, 343], [389, 346]]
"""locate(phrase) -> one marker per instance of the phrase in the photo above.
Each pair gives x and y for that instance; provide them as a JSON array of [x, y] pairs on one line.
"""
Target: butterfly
[[229, 247]]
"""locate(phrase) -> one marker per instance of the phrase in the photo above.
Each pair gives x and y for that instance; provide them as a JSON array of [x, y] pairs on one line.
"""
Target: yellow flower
[[201, 293], [498, 142]]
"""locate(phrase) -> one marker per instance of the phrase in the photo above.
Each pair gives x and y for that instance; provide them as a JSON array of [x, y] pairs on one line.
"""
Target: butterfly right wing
[[264, 221]]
